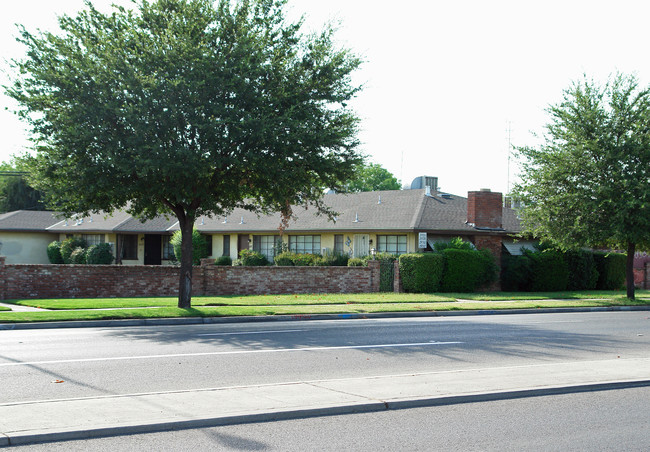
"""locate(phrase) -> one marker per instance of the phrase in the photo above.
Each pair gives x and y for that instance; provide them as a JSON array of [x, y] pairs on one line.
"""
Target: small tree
[[588, 184]]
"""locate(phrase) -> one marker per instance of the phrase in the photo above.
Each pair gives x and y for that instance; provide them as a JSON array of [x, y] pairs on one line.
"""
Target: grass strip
[[307, 309], [321, 299]]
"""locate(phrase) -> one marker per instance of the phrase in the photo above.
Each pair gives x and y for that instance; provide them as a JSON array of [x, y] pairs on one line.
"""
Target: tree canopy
[[371, 177], [588, 184], [15, 192], [187, 108]]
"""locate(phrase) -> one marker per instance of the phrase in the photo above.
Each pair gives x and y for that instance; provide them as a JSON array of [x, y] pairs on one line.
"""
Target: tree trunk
[[629, 270], [185, 284]]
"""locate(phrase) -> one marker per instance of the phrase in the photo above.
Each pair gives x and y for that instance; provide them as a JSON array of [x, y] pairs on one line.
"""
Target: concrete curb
[[299, 317], [31, 438]]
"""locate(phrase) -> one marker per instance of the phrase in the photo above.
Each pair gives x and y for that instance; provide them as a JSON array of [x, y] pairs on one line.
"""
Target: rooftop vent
[[425, 181]]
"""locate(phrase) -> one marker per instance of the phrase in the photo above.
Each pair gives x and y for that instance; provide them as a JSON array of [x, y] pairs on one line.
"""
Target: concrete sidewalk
[[56, 420]]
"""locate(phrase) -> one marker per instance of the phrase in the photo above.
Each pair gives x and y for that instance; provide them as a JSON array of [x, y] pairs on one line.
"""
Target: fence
[[93, 281]]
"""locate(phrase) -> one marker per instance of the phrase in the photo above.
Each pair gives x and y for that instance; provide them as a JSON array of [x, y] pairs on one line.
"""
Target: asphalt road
[[607, 420], [65, 363]]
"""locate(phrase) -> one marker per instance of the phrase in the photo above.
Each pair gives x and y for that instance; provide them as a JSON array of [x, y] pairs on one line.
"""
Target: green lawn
[[164, 307]]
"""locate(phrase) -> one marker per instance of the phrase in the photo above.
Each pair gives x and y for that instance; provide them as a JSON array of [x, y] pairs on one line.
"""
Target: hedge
[[463, 270], [54, 253], [550, 271], [611, 270], [421, 273]]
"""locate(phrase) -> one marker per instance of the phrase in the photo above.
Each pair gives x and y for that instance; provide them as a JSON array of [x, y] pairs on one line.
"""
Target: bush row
[[551, 270], [75, 250], [453, 269]]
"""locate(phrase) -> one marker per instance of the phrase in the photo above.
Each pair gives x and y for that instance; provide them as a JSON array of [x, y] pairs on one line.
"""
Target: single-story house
[[397, 221]]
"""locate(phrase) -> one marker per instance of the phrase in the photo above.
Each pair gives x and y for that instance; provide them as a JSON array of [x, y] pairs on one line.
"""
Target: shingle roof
[[393, 210], [27, 220]]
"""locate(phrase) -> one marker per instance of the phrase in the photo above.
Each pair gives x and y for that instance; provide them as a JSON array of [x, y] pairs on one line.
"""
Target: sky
[[449, 86]]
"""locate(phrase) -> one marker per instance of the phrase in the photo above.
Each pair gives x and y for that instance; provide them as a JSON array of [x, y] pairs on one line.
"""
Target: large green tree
[[588, 184], [187, 108], [15, 192], [371, 177]]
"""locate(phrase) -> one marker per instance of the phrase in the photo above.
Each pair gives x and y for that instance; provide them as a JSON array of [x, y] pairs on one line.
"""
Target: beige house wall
[[26, 247], [326, 241]]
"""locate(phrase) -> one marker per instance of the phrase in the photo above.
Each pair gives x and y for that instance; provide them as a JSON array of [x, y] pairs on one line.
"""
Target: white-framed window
[[265, 244], [93, 239], [309, 244], [394, 244]]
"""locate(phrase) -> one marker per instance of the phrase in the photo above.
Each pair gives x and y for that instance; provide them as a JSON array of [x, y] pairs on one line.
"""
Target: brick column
[[375, 275], [397, 279], [3, 278]]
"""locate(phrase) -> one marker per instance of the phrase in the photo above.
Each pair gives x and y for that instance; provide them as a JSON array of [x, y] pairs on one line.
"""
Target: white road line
[[248, 332], [234, 352]]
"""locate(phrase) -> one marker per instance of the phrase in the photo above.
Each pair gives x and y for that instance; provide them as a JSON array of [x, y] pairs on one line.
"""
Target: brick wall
[[90, 281]]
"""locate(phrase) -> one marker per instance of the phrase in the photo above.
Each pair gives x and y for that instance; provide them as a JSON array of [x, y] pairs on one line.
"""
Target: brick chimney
[[484, 208]]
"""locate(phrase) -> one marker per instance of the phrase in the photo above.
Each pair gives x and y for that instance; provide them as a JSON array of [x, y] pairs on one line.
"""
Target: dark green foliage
[[99, 254], [490, 269], [357, 262], [372, 177], [517, 273], [54, 253], [587, 183], [78, 256], [611, 270], [284, 259], [456, 243], [582, 270], [421, 273], [250, 258], [550, 271], [69, 245], [304, 259], [199, 246], [463, 270], [332, 260], [223, 260], [17, 194], [187, 108]]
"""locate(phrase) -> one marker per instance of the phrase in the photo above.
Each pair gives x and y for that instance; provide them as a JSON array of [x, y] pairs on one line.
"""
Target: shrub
[[582, 270], [456, 243], [421, 273], [250, 258], [357, 262], [69, 245], [99, 254], [490, 269], [78, 256], [223, 260], [611, 270], [550, 271], [199, 246], [516, 274], [54, 253], [304, 259], [331, 260], [463, 270], [284, 259]]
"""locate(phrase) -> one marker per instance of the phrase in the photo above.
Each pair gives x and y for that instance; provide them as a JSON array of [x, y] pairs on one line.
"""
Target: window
[[338, 244], [128, 246], [226, 245], [167, 248], [394, 244], [265, 244], [305, 244], [93, 239], [208, 243]]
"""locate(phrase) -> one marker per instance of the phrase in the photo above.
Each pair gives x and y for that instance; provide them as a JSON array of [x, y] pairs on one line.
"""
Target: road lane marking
[[234, 352], [248, 332]]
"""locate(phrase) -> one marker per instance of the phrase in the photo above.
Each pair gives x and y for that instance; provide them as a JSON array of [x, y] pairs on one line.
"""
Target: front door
[[361, 245], [152, 249], [242, 243]]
